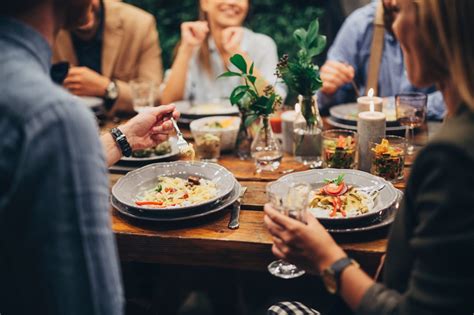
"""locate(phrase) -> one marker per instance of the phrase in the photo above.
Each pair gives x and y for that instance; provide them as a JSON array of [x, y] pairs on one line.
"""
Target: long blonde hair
[[446, 28]]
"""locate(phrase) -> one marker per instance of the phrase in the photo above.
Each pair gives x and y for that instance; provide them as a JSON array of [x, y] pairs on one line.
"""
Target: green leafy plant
[[252, 104], [300, 74]]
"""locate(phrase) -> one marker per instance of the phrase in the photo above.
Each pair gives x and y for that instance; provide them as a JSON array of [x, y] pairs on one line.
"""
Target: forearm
[[354, 285], [176, 83], [111, 149], [353, 282]]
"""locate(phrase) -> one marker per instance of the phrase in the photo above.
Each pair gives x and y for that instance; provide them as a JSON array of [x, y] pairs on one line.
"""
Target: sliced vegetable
[[149, 203]]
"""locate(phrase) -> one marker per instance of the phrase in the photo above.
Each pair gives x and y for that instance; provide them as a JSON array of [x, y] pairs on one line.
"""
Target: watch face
[[330, 281], [112, 92]]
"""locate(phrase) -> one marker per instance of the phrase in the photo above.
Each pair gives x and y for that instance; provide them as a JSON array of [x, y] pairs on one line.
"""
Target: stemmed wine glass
[[411, 113], [294, 205]]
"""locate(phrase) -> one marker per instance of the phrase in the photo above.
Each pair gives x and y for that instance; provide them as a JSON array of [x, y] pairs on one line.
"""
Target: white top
[[202, 87]]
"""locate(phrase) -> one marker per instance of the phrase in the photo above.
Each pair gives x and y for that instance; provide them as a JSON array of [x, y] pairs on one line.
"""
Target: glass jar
[[307, 132], [388, 157], [340, 149], [244, 140], [266, 149]]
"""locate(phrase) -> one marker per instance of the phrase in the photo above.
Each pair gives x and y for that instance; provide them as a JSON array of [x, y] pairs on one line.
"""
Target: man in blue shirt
[[348, 59]]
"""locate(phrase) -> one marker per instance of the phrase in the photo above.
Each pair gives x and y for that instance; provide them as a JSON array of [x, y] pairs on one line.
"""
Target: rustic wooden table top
[[208, 241]]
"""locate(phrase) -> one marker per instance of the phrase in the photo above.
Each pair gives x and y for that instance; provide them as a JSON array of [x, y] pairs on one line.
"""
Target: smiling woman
[[205, 49]]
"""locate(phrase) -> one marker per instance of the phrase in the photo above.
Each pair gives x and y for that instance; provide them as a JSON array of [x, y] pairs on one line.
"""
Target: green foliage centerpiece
[[254, 105], [301, 75]]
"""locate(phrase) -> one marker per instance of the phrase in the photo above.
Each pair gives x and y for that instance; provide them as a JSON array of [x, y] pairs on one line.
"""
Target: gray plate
[[155, 158], [378, 223], [153, 216], [385, 199], [347, 114], [138, 181]]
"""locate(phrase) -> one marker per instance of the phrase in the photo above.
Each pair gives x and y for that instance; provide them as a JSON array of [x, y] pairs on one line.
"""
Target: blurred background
[[277, 18]]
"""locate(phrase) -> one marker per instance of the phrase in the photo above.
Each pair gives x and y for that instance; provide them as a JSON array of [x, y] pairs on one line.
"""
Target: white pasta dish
[[172, 192], [338, 200]]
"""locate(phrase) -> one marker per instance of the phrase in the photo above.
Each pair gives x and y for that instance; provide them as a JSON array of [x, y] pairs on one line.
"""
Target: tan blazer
[[130, 49]]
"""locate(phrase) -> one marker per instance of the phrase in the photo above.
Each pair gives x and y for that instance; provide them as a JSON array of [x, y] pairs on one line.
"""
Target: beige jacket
[[130, 49]]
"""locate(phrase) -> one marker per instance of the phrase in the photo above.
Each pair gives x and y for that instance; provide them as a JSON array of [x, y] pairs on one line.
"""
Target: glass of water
[[294, 205], [143, 94]]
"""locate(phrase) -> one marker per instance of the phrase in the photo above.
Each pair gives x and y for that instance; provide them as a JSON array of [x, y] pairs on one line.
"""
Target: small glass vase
[[307, 132], [244, 140], [266, 149]]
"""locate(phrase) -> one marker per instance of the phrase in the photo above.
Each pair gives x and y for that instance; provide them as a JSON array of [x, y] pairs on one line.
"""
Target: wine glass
[[411, 113], [294, 205], [143, 94]]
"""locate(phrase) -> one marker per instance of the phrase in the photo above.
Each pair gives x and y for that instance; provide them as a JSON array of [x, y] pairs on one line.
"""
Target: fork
[[372, 191], [182, 144]]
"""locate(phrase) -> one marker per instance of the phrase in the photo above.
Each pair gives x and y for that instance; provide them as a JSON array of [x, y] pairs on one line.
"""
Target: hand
[[231, 39], [308, 246], [335, 74], [83, 81], [149, 128], [193, 34]]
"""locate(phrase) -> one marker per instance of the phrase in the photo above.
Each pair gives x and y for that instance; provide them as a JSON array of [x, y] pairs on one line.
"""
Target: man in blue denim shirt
[[57, 251], [348, 59]]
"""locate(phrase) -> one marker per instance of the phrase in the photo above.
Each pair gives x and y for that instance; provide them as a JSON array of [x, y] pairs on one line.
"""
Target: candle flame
[[370, 93]]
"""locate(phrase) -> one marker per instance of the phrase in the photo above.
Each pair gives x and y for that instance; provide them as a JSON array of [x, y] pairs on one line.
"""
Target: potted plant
[[301, 75], [254, 105]]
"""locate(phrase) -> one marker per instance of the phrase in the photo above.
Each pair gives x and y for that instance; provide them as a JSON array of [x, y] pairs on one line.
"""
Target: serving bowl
[[227, 134], [128, 188]]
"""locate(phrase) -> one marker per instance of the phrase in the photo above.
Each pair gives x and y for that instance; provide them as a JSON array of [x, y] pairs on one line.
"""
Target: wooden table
[[208, 242]]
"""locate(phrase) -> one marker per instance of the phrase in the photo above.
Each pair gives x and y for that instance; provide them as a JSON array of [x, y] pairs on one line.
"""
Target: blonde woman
[[428, 267], [205, 48]]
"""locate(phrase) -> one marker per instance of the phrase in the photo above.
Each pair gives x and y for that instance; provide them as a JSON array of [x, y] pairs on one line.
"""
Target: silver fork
[[182, 144], [372, 191]]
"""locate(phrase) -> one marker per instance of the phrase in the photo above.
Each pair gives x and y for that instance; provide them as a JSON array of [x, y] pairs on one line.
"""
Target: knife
[[235, 213]]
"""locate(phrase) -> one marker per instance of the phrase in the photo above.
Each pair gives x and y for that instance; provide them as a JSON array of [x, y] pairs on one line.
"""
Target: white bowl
[[227, 135]]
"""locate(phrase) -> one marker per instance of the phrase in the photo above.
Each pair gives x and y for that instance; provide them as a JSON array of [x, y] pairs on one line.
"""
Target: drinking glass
[[143, 94], [411, 113], [294, 205], [340, 148], [388, 157]]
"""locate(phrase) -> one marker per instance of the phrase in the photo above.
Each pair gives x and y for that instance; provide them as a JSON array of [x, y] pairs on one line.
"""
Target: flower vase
[[308, 127], [244, 140], [266, 149]]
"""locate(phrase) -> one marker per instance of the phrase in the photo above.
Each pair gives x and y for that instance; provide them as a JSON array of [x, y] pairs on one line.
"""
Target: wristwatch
[[332, 274], [111, 94], [121, 141]]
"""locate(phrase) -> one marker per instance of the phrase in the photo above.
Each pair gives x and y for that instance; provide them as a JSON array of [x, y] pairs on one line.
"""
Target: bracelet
[[121, 141]]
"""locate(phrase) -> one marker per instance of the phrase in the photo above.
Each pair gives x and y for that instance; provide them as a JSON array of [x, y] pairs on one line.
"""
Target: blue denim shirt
[[57, 250], [352, 45]]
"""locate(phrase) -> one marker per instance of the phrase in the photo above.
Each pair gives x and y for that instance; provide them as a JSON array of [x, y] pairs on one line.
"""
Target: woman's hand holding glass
[[308, 246]]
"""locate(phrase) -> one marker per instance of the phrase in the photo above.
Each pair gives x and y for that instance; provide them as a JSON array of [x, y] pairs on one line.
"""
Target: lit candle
[[370, 125], [365, 103]]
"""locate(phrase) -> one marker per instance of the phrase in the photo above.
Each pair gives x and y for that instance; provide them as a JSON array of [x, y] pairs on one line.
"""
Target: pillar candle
[[370, 125]]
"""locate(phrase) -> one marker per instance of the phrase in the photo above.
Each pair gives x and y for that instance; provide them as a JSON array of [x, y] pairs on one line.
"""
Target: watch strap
[[337, 268], [121, 141]]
